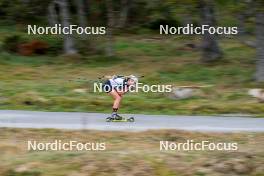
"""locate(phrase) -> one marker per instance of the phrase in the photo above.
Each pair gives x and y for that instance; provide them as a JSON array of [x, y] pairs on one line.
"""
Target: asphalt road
[[96, 121]]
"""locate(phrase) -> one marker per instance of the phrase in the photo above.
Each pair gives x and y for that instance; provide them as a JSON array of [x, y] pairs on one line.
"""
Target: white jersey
[[117, 82]]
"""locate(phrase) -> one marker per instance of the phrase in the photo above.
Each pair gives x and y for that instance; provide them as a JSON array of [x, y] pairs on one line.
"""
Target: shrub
[[155, 23], [33, 47], [55, 44], [11, 43], [28, 45]]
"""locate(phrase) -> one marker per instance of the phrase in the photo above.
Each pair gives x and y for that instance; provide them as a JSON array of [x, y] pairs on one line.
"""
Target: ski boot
[[115, 116]]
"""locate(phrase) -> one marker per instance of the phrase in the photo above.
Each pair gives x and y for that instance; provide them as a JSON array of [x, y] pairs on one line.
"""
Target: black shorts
[[107, 87]]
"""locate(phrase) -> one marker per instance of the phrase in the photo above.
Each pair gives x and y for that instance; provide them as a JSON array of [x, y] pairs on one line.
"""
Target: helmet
[[134, 78]]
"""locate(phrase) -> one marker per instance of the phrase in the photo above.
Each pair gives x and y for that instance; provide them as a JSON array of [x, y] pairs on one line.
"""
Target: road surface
[[96, 121]]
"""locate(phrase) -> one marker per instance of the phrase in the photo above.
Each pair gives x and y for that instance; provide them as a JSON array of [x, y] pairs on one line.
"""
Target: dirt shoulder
[[131, 153]]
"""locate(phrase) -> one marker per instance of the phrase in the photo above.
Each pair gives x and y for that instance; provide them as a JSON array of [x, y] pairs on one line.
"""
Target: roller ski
[[117, 118]]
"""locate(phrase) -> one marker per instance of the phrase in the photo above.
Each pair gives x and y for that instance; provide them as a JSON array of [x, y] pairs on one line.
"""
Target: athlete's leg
[[117, 100]]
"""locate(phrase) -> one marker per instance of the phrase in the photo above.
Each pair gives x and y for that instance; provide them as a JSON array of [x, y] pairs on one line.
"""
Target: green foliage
[[142, 13], [155, 23], [11, 43], [17, 11], [55, 44]]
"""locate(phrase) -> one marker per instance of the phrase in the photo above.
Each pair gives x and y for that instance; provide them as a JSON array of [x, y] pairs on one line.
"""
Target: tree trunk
[[52, 14], [68, 43], [210, 49], [187, 19], [110, 24], [86, 7], [125, 5], [260, 44], [241, 24], [244, 14], [81, 13]]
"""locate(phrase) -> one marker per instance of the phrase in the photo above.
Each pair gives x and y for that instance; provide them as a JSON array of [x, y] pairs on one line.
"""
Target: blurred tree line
[[128, 16]]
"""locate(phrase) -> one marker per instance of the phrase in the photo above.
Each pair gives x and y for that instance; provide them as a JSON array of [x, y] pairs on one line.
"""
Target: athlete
[[116, 87]]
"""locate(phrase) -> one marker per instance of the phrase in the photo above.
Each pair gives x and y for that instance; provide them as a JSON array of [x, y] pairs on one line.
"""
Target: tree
[[52, 14], [81, 13], [210, 49], [68, 43], [260, 41], [110, 25], [125, 6]]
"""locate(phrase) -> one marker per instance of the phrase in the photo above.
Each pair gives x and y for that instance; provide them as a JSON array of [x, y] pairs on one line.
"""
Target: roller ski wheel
[[109, 119], [131, 119]]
